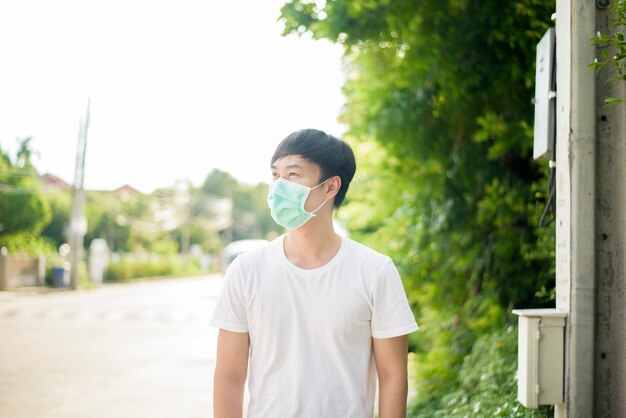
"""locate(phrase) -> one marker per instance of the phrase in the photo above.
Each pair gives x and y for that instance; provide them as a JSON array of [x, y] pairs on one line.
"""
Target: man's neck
[[312, 245]]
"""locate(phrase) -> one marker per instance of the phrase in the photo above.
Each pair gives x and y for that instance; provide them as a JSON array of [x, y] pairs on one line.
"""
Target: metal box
[[545, 97], [540, 364]]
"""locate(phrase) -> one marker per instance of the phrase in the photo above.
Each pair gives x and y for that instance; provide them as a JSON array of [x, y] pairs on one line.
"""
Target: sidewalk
[[119, 351]]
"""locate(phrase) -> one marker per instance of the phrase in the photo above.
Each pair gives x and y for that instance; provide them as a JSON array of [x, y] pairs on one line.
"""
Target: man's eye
[[293, 174]]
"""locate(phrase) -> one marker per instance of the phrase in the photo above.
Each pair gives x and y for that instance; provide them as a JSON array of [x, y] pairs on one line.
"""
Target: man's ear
[[334, 184]]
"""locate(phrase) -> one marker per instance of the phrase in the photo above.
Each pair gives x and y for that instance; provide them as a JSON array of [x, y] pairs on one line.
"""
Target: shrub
[[130, 268], [487, 383]]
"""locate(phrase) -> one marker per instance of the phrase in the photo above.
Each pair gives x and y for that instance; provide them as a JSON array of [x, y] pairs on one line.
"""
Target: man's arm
[[390, 355], [230, 374]]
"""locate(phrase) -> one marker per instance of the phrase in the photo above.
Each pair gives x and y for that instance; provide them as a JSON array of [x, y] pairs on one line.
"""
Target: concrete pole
[[4, 268], [575, 183], [76, 237], [77, 219], [41, 270], [610, 240]]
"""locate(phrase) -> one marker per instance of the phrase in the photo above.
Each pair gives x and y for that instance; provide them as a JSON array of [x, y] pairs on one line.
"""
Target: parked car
[[232, 250]]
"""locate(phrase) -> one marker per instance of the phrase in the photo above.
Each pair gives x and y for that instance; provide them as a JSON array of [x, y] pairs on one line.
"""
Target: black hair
[[333, 155]]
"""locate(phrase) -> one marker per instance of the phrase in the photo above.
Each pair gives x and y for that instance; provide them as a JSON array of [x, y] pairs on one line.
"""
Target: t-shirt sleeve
[[391, 313], [231, 310]]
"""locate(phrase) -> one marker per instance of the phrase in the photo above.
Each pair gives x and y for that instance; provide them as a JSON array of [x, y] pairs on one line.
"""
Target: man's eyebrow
[[273, 166]]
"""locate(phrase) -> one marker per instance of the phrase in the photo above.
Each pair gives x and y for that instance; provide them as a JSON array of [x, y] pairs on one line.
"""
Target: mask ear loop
[[314, 212], [313, 188], [320, 206]]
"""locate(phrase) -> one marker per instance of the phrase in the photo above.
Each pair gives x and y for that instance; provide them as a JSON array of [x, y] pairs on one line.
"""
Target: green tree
[[106, 215], [24, 208], [251, 216], [438, 105], [219, 183], [60, 206]]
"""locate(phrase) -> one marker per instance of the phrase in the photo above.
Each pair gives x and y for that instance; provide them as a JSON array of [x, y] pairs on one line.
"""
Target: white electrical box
[[545, 97], [540, 364]]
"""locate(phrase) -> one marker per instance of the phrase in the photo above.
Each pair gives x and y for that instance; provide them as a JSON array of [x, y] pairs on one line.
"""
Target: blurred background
[[135, 140]]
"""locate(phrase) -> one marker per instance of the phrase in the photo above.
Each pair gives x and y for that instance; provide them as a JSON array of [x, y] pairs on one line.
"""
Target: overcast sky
[[177, 88]]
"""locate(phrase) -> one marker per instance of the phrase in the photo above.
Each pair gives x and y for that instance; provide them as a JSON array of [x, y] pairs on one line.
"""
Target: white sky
[[177, 88]]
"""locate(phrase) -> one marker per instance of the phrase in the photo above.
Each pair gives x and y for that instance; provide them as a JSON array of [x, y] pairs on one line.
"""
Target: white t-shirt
[[311, 330]]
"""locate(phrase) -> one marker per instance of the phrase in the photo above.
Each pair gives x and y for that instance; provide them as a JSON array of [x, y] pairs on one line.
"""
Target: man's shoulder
[[361, 253], [253, 257]]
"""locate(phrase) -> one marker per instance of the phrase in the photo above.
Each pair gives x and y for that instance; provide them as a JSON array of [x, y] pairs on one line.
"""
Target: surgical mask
[[286, 200]]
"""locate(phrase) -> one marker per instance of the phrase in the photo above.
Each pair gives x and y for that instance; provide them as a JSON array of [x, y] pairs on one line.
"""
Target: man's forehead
[[292, 161]]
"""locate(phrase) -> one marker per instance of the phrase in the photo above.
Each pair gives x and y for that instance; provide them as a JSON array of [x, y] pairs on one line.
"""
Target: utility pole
[[575, 194], [610, 239], [78, 224], [590, 218]]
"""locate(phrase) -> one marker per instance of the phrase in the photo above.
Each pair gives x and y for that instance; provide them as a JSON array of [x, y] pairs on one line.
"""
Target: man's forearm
[[227, 398], [392, 397]]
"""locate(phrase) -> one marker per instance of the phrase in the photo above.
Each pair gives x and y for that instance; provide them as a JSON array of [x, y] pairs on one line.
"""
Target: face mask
[[286, 201]]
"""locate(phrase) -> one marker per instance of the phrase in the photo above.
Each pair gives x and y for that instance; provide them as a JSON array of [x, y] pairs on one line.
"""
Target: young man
[[320, 317]]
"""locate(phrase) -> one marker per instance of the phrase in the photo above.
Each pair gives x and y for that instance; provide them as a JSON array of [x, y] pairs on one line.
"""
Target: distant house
[[126, 192], [52, 182]]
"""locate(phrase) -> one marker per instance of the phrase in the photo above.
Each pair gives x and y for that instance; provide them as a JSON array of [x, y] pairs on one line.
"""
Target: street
[[123, 350]]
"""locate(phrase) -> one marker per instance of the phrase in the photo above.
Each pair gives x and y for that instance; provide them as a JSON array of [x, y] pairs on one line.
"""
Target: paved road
[[127, 350]]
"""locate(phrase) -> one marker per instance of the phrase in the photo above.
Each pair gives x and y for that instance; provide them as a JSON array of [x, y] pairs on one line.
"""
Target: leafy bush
[[131, 268], [27, 242], [487, 383]]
